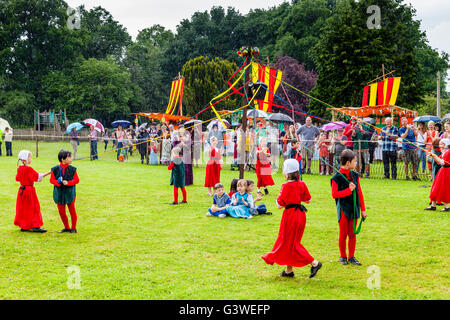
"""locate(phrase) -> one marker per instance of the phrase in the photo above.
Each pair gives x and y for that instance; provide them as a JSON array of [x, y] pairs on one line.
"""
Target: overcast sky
[[136, 15]]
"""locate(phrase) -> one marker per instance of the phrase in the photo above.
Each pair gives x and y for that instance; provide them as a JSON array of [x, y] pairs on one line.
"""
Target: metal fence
[[48, 145]]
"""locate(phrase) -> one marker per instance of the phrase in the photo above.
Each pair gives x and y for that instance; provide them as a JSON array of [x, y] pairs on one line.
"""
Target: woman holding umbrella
[[120, 135]]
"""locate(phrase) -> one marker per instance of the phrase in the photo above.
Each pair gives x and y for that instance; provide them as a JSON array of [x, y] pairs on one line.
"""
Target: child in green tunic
[[177, 177]]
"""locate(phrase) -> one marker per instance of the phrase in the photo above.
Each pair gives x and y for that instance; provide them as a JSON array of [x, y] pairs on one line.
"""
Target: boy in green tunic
[[177, 177], [64, 177]]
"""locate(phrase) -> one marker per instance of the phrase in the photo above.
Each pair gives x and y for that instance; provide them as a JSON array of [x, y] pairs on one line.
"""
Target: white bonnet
[[23, 155], [290, 165]]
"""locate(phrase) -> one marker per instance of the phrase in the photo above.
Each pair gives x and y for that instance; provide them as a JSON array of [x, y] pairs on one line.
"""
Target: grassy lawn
[[132, 245]]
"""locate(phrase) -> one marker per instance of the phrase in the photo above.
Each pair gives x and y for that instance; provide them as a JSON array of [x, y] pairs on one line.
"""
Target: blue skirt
[[239, 211]]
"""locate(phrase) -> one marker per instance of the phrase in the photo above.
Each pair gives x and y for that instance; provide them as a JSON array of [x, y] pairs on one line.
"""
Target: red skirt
[[264, 174], [288, 250], [440, 190], [212, 174], [28, 210]]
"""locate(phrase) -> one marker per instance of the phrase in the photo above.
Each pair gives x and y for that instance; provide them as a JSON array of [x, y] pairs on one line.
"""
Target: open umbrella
[[334, 126], [4, 124], [94, 123], [78, 126], [372, 121], [427, 119], [192, 123], [257, 114], [280, 117], [123, 123], [219, 124], [446, 117]]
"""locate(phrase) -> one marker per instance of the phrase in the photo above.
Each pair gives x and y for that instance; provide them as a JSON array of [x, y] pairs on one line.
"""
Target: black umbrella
[[280, 117]]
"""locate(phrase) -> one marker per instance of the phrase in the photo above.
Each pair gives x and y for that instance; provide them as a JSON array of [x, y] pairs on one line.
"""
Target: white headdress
[[23, 155], [290, 165]]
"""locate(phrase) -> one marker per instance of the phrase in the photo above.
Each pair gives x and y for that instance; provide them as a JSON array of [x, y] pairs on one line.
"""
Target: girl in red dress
[[28, 211], [213, 167], [263, 168], [288, 249], [440, 190]]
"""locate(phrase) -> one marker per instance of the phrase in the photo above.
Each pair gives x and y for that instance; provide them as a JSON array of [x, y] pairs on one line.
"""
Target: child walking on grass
[[28, 210], [64, 177], [288, 250], [177, 177], [221, 201], [347, 214]]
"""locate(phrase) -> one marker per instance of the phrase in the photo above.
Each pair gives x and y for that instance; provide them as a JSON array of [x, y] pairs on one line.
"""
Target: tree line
[[99, 71]]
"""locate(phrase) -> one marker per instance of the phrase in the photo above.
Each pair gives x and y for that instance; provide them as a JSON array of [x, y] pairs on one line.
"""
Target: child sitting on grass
[[221, 201], [239, 202], [254, 209], [233, 187]]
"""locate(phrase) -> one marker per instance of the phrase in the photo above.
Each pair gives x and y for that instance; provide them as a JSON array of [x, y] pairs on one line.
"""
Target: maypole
[[247, 53]]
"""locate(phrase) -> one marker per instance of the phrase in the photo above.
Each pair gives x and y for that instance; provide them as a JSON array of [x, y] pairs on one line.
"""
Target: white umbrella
[[220, 126], [4, 124], [257, 114]]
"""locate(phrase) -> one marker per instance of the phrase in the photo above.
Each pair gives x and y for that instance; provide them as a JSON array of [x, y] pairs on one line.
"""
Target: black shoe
[[173, 203], [64, 230], [287, 275], [407, 178], [439, 204], [445, 210], [309, 171], [315, 269], [416, 178], [353, 260], [430, 208], [343, 260], [39, 230], [73, 231], [24, 230], [266, 191], [269, 213], [183, 201]]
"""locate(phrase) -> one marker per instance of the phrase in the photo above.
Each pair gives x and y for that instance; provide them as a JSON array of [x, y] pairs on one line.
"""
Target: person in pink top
[[120, 135]]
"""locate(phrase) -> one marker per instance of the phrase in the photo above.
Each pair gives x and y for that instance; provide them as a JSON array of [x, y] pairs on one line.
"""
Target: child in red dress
[[28, 210], [288, 249], [342, 191], [440, 190], [263, 168], [64, 179], [213, 167]]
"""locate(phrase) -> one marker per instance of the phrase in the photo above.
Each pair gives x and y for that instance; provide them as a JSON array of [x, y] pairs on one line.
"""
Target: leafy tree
[[204, 78], [156, 36], [93, 89], [300, 30], [18, 107], [349, 54], [103, 35], [296, 75]]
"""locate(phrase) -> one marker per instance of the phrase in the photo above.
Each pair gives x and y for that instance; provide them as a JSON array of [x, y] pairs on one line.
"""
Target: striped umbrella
[[94, 123]]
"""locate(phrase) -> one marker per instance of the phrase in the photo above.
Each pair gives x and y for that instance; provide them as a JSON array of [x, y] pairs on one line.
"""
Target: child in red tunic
[[440, 190], [263, 168], [288, 249], [213, 167], [28, 210], [342, 191], [65, 178]]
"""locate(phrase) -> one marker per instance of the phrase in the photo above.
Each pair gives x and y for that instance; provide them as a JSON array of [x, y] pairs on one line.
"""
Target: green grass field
[[132, 245]]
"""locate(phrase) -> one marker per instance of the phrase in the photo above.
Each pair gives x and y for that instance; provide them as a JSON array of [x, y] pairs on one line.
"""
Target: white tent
[[4, 124]]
